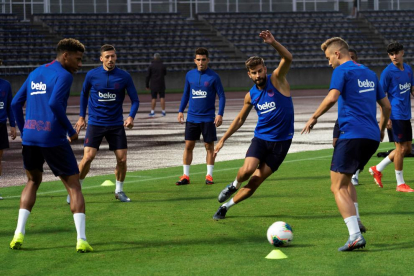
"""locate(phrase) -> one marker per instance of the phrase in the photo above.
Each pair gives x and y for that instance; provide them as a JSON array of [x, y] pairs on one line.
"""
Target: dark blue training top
[[275, 112], [107, 94], [398, 84], [357, 104], [46, 92], [5, 102], [200, 90]]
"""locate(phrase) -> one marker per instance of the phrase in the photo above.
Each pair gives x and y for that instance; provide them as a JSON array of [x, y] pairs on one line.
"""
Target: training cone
[[108, 183], [276, 254]]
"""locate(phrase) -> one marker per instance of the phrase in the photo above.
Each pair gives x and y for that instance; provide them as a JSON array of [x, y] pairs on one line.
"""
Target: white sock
[[152, 111], [352, 224], [385, 162], [79, 219], [81, 181], [236, 184], [356, 174], [229, 204], [210, 169], [400, 177], [356, 209], [21, 221], [186, 169], [119, 186]]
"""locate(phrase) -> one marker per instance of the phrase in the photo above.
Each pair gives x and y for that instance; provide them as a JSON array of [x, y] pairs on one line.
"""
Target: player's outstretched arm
[[236, 124], [385, 115], [326, 104]]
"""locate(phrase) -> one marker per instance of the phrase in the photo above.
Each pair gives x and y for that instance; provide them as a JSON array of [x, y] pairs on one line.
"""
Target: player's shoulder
[[407, 67], [4, 83], [122, 72]]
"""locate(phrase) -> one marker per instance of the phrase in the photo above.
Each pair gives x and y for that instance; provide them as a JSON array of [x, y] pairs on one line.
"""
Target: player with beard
[[270, 97]]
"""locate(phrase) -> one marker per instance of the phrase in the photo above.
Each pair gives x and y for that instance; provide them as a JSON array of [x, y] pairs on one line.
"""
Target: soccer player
[[270, 97], [107, 85], [5, 112], [155, 80], [357, 89], [397, 81], [44, 134], [336, 132], [200, 90]]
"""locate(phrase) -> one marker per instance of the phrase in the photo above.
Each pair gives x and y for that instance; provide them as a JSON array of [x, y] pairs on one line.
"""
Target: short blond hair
[[335, 41]]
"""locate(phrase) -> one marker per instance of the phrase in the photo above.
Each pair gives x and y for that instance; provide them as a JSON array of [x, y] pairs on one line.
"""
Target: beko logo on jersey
[[405, 87], [105, 97], [366, 84], [39, 86], [199, 94], [267, 107], [1, 105]]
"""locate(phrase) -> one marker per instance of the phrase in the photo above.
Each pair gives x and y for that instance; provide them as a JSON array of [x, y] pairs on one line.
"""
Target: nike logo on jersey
[[405, 87], [366, 84], [266, 107], [106, 97], [38, 88], [198, 94]]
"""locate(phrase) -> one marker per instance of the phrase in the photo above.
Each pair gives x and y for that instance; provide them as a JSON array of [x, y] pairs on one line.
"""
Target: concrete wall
[[233, 78]]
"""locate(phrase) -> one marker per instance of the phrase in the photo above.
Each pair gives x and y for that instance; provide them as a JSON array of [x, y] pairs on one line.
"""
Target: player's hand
[[13, 133], [309, 125], [389, 124], [180, 118], [74, 137], [129, 123], [218, 120], [218, 147], [80, 124], [267, 37]]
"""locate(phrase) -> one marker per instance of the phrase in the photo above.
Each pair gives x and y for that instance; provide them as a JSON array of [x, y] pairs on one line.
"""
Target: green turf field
[[168, 230]]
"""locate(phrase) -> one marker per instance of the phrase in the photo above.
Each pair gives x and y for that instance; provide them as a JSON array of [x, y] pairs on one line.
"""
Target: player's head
[[201, 58], [69, 53], [256, 70], [353, 54], [336, 51], [108, 57], [395, 51], [157, 56]]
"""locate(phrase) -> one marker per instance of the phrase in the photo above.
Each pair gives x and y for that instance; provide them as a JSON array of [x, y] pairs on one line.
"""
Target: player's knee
[[121, 162]]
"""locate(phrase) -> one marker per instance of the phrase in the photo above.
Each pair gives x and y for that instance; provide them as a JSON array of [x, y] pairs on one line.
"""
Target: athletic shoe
[[163, 114], [357, 242], [68, 199], [361, 227], [151, 115], [17, 241], [226, 193], [404, 188], [83, 246], [1, 197], [354, 181], [184, 180], [377, 175], [221, 213], [209, 180], [121, 196]]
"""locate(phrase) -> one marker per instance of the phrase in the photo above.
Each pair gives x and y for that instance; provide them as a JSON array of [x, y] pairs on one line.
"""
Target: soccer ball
[[280, 234]]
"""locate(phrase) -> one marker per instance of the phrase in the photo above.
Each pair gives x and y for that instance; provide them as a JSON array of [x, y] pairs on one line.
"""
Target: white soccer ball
[[280, 234]]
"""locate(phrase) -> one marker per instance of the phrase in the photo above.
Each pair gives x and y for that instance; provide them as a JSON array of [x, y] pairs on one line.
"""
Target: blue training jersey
[[397, 84], [107, 94], [200, 90], [5, 103], [45, 92], [275, 112], [357, 103]]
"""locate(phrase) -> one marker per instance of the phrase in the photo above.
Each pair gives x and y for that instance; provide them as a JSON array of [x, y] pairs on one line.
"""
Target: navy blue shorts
[[4, 137], [114, 135], [402, 131], [272, 153], [336, 131], [60, 159], [194, 130], [155, 93], [351, 155]]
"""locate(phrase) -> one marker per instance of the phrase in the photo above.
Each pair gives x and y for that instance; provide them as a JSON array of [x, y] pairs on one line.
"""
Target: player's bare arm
[[129, 122], [326, 104], [278, 77], [74, 137], [80, 124], [236, 124], [385, 107], [180, 118], [218, 120], [13, 133]]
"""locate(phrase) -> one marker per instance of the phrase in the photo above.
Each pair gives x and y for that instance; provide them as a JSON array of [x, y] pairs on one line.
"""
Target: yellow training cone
[[108, 183], [276, 254]]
